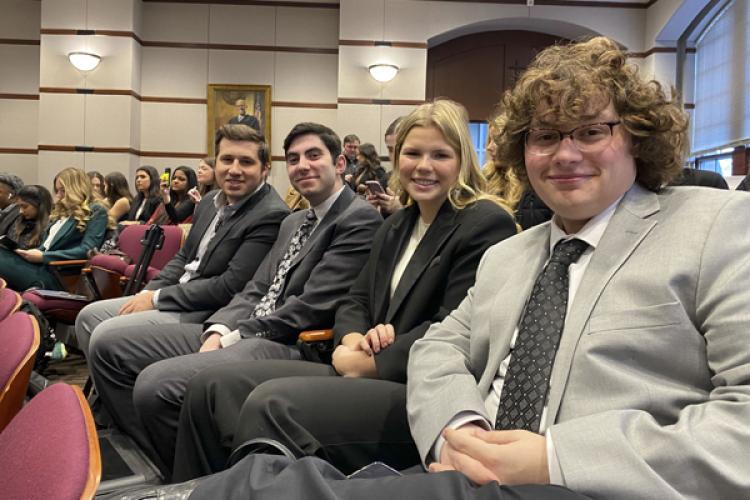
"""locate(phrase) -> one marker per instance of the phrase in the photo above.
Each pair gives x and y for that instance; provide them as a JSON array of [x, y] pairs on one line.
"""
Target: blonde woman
[[423, 261], [77, 224]]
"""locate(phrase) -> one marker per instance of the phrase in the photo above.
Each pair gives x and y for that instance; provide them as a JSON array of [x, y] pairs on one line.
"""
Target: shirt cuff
[[553, 464], [230, 338], [215, 328], [155, 299], [460, 419]]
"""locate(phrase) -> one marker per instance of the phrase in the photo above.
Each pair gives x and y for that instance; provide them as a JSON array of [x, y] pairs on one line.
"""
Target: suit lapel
[[67, 227], [438, 233], [227, 226], [627, 228], [391, 248], [339, 206]]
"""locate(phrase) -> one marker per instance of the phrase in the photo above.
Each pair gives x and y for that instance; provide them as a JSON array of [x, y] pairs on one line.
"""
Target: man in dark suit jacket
[[244, 119], [298, 286]]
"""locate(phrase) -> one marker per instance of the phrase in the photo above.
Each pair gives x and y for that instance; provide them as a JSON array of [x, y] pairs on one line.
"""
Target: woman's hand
[[351, 362], [34, 256], [195, 195], [377, 339], [386, 203], [165, 193]]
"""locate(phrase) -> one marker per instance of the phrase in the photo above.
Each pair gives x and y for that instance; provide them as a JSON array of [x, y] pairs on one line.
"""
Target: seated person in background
[[141, 374], [77, 225], [9, 185], [117, 196], [368, 169], [387, 202], [637, 384], [147, 198], [422, 262], [697, 177], [206, 180], [34, 205], [177, 207], [295, 201], [350, 151], [97, 185]]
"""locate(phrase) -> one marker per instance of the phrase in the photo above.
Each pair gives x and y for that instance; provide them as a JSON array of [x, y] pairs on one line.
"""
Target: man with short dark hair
[[351, 150], [9, 186], [297, 287]]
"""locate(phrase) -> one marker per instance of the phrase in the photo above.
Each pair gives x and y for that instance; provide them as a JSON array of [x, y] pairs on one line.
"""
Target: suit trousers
[[304, 406], [268, 477], [141, 375]]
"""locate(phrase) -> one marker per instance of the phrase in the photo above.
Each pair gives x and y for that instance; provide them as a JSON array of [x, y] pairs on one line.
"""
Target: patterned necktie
[[267, 304], [524, 392]]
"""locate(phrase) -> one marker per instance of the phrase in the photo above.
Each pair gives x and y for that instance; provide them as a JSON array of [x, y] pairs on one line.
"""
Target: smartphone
[[8, 243], [167, 175], [374, 187]]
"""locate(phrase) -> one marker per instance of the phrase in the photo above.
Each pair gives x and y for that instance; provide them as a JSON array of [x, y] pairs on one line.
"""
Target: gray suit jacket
[[232, 256], [318, 279], [650, 394]]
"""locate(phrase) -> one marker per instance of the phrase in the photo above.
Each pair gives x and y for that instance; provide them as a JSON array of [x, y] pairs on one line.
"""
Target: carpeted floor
[[72, 370]]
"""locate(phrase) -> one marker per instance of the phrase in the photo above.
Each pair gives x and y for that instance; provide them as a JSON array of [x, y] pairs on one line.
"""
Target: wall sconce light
[[383, 72], [84, 61]]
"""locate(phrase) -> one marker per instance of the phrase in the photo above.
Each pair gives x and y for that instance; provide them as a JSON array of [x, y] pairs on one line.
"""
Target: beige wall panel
[[24, 166], [437, 18], [361, 20], [242, 24], [137, 69], [135, 123], [24, 61], [114, 71], [107, 121], [174, 22], [107, 163], [171, 72], [18, 123], [305, 77], [283, 119], [363, 120], [177, 128], [112, 14], [278, 178], [20, 19], [405, 21], [64, 14], [241, 67], [61, 119], [51, 162], [355, 81], [298, 27]]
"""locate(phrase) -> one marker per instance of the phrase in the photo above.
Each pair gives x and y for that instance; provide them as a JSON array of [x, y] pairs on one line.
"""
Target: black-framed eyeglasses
[[587, 138]]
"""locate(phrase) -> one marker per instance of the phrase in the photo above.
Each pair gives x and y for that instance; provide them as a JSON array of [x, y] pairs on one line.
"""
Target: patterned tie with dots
[[526, 383], [267, 304]]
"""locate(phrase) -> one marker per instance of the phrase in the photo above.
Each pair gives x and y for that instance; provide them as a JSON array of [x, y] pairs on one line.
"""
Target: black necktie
[[524, 392]]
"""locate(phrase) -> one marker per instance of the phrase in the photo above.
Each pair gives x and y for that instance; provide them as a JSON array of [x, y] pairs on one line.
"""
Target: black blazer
[[232, 256], [318, 278], [434, 282], [152, 204]]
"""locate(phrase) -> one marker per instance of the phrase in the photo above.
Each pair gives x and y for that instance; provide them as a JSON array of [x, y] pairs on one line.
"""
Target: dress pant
[[268, 477], [302, 405], [141, 375]]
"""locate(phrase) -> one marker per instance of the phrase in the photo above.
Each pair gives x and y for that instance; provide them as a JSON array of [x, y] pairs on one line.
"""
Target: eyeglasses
[[587, 138]]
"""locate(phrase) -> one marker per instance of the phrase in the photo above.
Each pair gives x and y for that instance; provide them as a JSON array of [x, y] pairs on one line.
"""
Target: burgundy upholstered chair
[[19, 341], [50, 449], [10, 301]]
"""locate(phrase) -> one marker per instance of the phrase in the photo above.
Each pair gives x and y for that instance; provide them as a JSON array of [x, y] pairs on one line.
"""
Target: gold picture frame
[[222, 108]]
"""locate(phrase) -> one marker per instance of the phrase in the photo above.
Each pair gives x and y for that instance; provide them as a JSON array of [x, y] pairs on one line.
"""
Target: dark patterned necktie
[[524, 392], [267, 304]]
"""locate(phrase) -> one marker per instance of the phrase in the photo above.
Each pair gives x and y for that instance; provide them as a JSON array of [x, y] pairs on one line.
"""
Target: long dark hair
[[192, 181], [41, 199], [153, 198], [153, 189], [118, 188]]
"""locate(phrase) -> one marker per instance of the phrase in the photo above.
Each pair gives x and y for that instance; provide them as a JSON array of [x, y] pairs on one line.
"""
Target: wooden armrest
[[316, 335], [61, 263]]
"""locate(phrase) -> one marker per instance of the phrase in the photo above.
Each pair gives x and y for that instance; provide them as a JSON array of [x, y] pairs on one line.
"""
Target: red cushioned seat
[[19, 341], [50, 449], [10, 301]]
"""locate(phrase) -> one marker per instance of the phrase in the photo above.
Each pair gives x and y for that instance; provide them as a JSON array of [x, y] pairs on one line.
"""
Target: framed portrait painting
[[246, 104]]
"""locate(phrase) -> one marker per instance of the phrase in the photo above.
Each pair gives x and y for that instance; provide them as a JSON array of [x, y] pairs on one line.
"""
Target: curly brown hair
[[571, 82]]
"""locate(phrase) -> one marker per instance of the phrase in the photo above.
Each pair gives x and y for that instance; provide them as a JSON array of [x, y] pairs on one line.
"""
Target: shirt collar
[[220, 200], [591, 233], [322, 209]]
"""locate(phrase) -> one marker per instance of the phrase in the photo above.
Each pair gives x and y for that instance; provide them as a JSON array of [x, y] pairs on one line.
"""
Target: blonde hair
[[451, 119], [569, 82], [77, 201], [501, 180]]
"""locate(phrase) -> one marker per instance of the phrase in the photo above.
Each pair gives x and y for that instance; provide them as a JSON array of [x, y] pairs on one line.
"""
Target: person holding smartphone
[[177, 205], [368, 169], [422, 262]]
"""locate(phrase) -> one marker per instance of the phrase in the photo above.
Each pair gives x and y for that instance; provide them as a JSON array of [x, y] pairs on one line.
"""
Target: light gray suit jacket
[[649, 395]]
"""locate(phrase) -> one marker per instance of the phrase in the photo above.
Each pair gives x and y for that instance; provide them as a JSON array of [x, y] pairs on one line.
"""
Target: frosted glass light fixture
[[383, 72], [84, 61]]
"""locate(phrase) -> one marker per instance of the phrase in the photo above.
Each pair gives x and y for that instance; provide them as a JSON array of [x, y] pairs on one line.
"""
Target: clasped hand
[[34, 256], [508, 457], [354, 357]]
